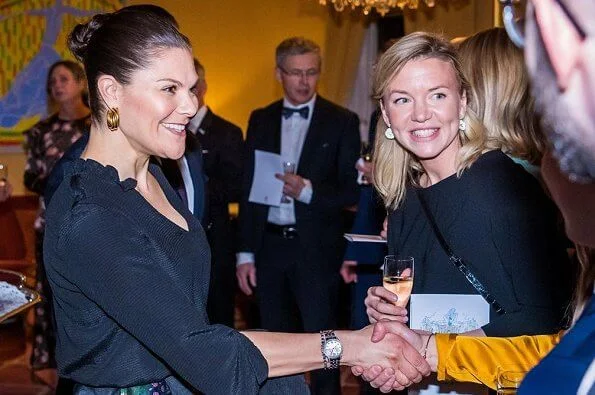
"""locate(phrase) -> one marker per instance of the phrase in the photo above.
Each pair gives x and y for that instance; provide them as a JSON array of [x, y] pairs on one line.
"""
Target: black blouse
[[130, 291], [497, 218]]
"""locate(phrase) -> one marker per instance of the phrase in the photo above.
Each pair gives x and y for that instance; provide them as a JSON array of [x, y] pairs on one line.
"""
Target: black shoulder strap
[[458, 262]]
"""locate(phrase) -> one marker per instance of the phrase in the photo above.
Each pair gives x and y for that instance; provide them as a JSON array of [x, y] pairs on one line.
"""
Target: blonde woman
[[501, 96], [476, 359], [492, 214]]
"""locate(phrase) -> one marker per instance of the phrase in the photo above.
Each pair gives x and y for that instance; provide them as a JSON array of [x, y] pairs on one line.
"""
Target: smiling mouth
[[175, 127], [424, 133]]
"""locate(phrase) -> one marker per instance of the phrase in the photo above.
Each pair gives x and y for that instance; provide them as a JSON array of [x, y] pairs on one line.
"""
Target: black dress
[[130, 290], [46, 142], [497, 218]]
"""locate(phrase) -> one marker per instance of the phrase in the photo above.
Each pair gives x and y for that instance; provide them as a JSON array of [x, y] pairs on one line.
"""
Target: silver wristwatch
[[331, 349]]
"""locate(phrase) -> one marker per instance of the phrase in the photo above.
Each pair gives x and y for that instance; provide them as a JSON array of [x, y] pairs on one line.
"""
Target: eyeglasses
[[515, 25], [297, 73]]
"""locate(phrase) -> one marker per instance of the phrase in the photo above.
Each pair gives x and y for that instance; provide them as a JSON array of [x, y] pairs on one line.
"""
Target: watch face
[[333, 349]]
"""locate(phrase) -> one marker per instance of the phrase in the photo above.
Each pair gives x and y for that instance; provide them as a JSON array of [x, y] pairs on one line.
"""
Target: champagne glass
[[288, 168], [398, 277], [365, 153], [508, 379], [3, 174]]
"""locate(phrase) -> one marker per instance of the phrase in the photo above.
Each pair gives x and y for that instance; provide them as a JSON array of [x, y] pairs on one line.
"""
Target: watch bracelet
[[328, 363]]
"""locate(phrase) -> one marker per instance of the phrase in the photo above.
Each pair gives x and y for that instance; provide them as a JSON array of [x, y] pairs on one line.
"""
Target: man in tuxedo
[[222, 149], [293, 251]]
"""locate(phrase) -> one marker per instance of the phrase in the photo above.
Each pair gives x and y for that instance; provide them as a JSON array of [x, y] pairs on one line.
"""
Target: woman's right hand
[[383, 378], [380, 305]]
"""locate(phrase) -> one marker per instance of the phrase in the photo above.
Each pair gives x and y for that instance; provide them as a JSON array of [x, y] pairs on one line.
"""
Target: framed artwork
[[32, 37]]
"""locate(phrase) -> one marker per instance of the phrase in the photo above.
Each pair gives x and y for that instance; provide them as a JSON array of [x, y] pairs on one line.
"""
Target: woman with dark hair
[[45, 143], [127, 261]]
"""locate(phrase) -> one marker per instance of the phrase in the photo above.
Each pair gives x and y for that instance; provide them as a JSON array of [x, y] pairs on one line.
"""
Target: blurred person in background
[[291, 253], [222, 150], [501, 98], [45, 143]]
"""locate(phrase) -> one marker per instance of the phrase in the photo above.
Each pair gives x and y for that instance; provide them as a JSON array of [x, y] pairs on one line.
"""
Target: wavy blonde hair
[[501, 94], [395, 167]]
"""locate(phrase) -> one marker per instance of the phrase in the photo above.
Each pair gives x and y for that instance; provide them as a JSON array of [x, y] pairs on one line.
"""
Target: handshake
[[409, 355], [396, 357]]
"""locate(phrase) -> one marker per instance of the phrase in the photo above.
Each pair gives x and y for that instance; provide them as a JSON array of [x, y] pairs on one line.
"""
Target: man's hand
[[380, 306], [406, 365], [389, 379], [367, 168], [292, 184], [348, 271], [5, 190], [384, 231], [246, 275]]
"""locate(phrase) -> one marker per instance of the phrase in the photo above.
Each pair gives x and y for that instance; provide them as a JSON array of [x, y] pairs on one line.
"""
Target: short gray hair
[[296, 46]]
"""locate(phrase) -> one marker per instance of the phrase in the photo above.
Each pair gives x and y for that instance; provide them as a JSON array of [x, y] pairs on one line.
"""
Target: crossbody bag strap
[[458, 262]]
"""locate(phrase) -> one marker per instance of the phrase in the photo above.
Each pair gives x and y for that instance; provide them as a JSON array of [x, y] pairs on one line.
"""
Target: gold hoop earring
[[112, 118]]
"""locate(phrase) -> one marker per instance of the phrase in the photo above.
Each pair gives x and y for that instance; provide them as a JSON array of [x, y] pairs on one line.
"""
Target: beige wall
[[235, 40], [454, 18]]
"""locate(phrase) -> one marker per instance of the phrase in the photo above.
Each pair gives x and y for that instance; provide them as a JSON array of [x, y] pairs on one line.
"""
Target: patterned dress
[[45, 143]]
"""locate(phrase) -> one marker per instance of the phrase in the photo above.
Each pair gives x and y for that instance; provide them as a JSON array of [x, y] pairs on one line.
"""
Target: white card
[[448, 313], [364, 238], [266, 189]]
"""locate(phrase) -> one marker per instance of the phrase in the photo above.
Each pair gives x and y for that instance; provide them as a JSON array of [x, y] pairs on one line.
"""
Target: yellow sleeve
[[476, 359]]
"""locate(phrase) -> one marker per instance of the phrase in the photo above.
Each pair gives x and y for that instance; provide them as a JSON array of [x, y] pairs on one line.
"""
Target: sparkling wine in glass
[[3, 174], [398, 277], [288, 168], [365, 151], [365, 154]]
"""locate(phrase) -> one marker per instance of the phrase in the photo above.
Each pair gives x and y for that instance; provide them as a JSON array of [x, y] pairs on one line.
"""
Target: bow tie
[[303, 111]]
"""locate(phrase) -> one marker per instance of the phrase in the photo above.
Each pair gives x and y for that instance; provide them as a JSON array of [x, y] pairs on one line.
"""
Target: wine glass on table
[[5, 189], [3, 174], [288, 168], [398, 277], [508, 379]]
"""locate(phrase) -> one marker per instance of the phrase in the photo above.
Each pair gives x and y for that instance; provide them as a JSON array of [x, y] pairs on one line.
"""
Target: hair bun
[[81, 35]]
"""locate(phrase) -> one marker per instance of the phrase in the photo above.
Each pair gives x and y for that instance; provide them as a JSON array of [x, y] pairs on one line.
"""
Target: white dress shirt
[[293, 134], [193, 127], [196, 120]]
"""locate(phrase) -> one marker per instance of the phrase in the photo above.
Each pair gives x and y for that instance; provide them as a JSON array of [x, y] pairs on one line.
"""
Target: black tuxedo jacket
[[222, 145], [328, 158], [193, 154]]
